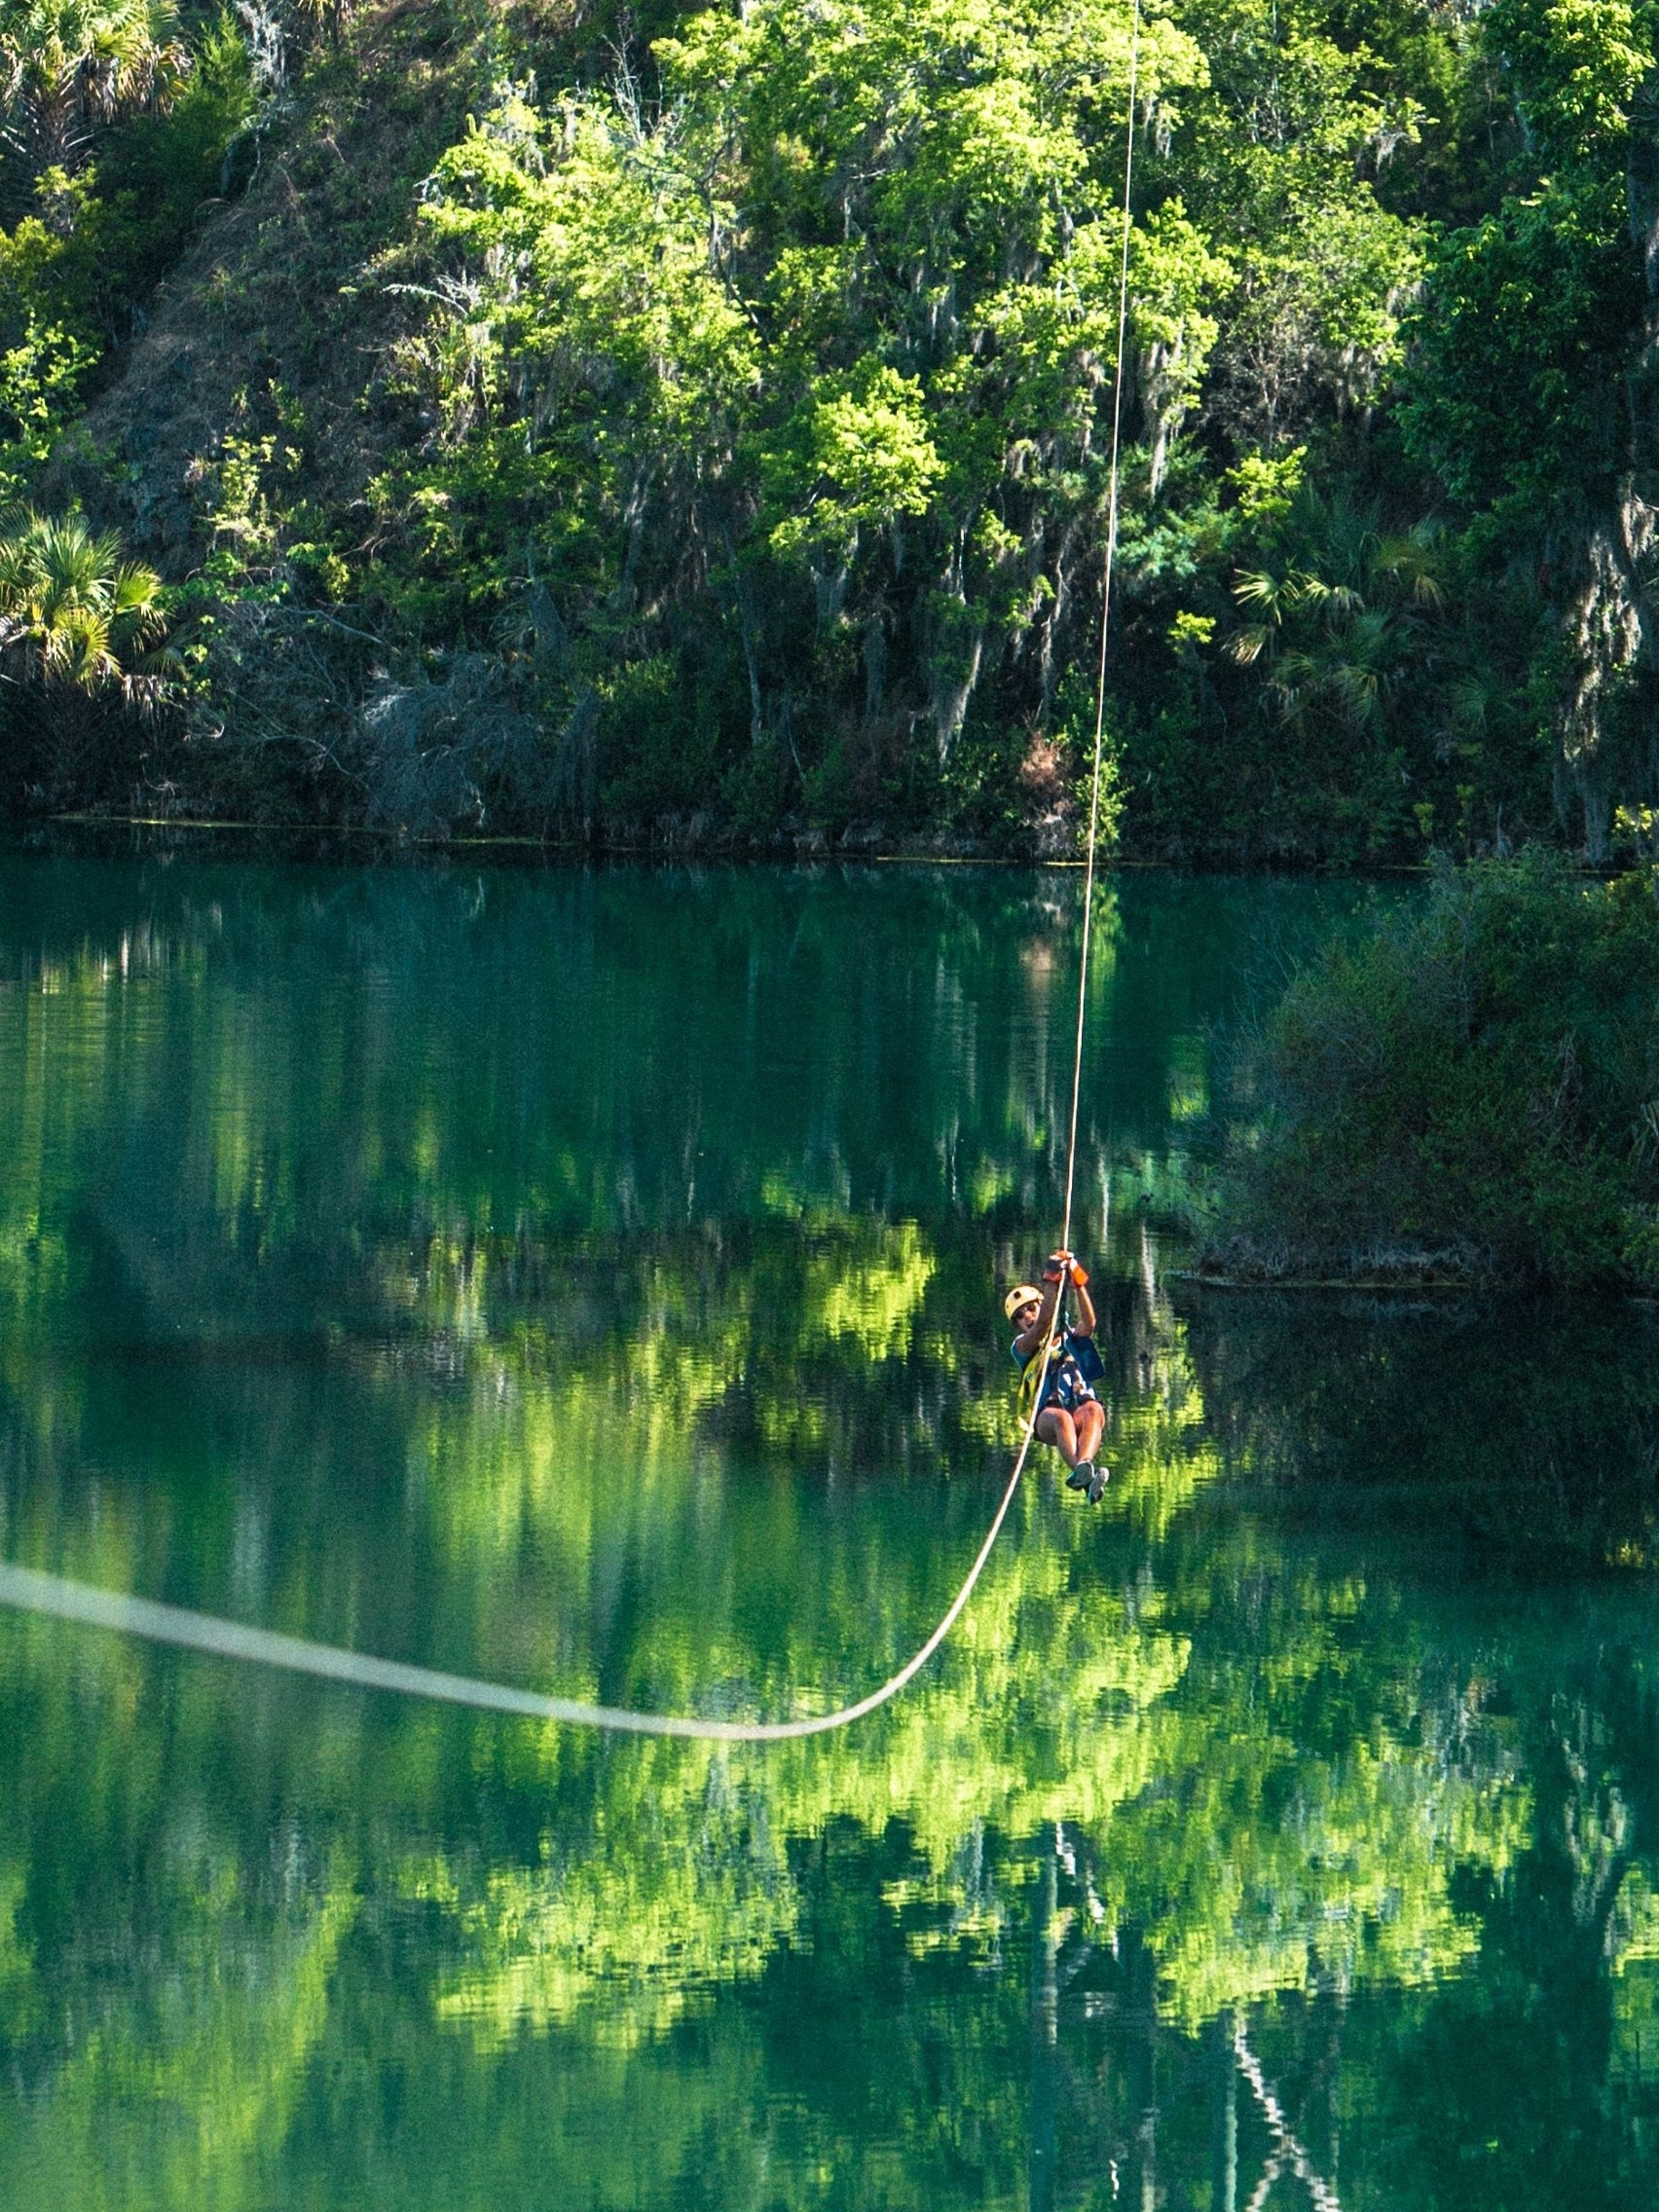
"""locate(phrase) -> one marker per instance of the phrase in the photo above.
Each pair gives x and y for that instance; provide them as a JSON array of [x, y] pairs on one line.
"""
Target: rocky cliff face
[[278, 319], [257, 391]]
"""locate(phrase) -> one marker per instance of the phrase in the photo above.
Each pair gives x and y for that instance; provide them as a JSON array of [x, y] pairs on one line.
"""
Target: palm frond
[[73, 612]]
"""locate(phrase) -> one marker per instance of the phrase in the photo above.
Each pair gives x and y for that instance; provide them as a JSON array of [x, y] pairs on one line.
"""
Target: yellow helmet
[[1022, 1294]]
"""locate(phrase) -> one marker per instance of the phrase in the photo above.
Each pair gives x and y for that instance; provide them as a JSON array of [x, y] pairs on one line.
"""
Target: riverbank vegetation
[[1466, 1091], [692, 424]]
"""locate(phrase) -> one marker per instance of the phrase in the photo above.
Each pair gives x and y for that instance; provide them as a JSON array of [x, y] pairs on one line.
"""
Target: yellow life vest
[[1025, 1399]]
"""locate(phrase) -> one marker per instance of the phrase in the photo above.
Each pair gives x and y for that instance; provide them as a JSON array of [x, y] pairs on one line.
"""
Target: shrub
[[1471, 1088], [80, 655]]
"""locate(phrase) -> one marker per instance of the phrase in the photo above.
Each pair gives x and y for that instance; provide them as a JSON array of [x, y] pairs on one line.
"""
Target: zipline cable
[[93, 1607], [1105, 629]]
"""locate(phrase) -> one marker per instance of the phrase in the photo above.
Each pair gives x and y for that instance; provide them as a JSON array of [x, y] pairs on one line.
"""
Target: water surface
[[590, 1279]]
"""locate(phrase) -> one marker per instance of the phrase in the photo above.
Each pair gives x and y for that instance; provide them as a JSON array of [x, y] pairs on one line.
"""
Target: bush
[[81, 658], [1469, 1090]]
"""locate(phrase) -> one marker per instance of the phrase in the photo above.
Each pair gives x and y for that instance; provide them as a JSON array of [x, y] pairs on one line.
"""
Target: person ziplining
[[1059, 1392]]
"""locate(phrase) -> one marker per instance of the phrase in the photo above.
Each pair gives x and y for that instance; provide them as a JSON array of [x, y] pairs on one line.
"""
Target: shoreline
[[859, 845]]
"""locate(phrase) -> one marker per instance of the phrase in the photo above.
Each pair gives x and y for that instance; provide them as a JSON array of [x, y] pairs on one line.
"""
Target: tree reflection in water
[[1288, 1822]]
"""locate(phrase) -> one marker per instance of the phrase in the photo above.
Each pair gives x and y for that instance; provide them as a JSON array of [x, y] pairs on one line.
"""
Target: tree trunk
[[1610, 736], [743, 598], [875, 664], [953, 688], [1609, 628]]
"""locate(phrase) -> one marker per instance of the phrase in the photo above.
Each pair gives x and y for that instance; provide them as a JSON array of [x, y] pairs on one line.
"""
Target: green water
[[588, 1279]]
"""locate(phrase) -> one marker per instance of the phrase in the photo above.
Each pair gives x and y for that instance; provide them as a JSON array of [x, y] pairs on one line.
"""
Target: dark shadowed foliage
[[1466, 1091]]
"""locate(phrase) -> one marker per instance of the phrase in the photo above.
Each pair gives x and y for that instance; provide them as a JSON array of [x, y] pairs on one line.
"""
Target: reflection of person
[[1070, 1416]]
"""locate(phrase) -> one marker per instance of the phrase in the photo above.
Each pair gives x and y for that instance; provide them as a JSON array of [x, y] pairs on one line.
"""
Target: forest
[[690, 426]]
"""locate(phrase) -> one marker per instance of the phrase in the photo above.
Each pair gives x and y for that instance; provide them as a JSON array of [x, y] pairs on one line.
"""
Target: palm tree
[[69, 66], [77, 617], [1335, 627]]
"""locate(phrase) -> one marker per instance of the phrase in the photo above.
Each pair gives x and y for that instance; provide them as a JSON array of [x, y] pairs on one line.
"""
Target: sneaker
[[1098, 1478], [1082, 1475]]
